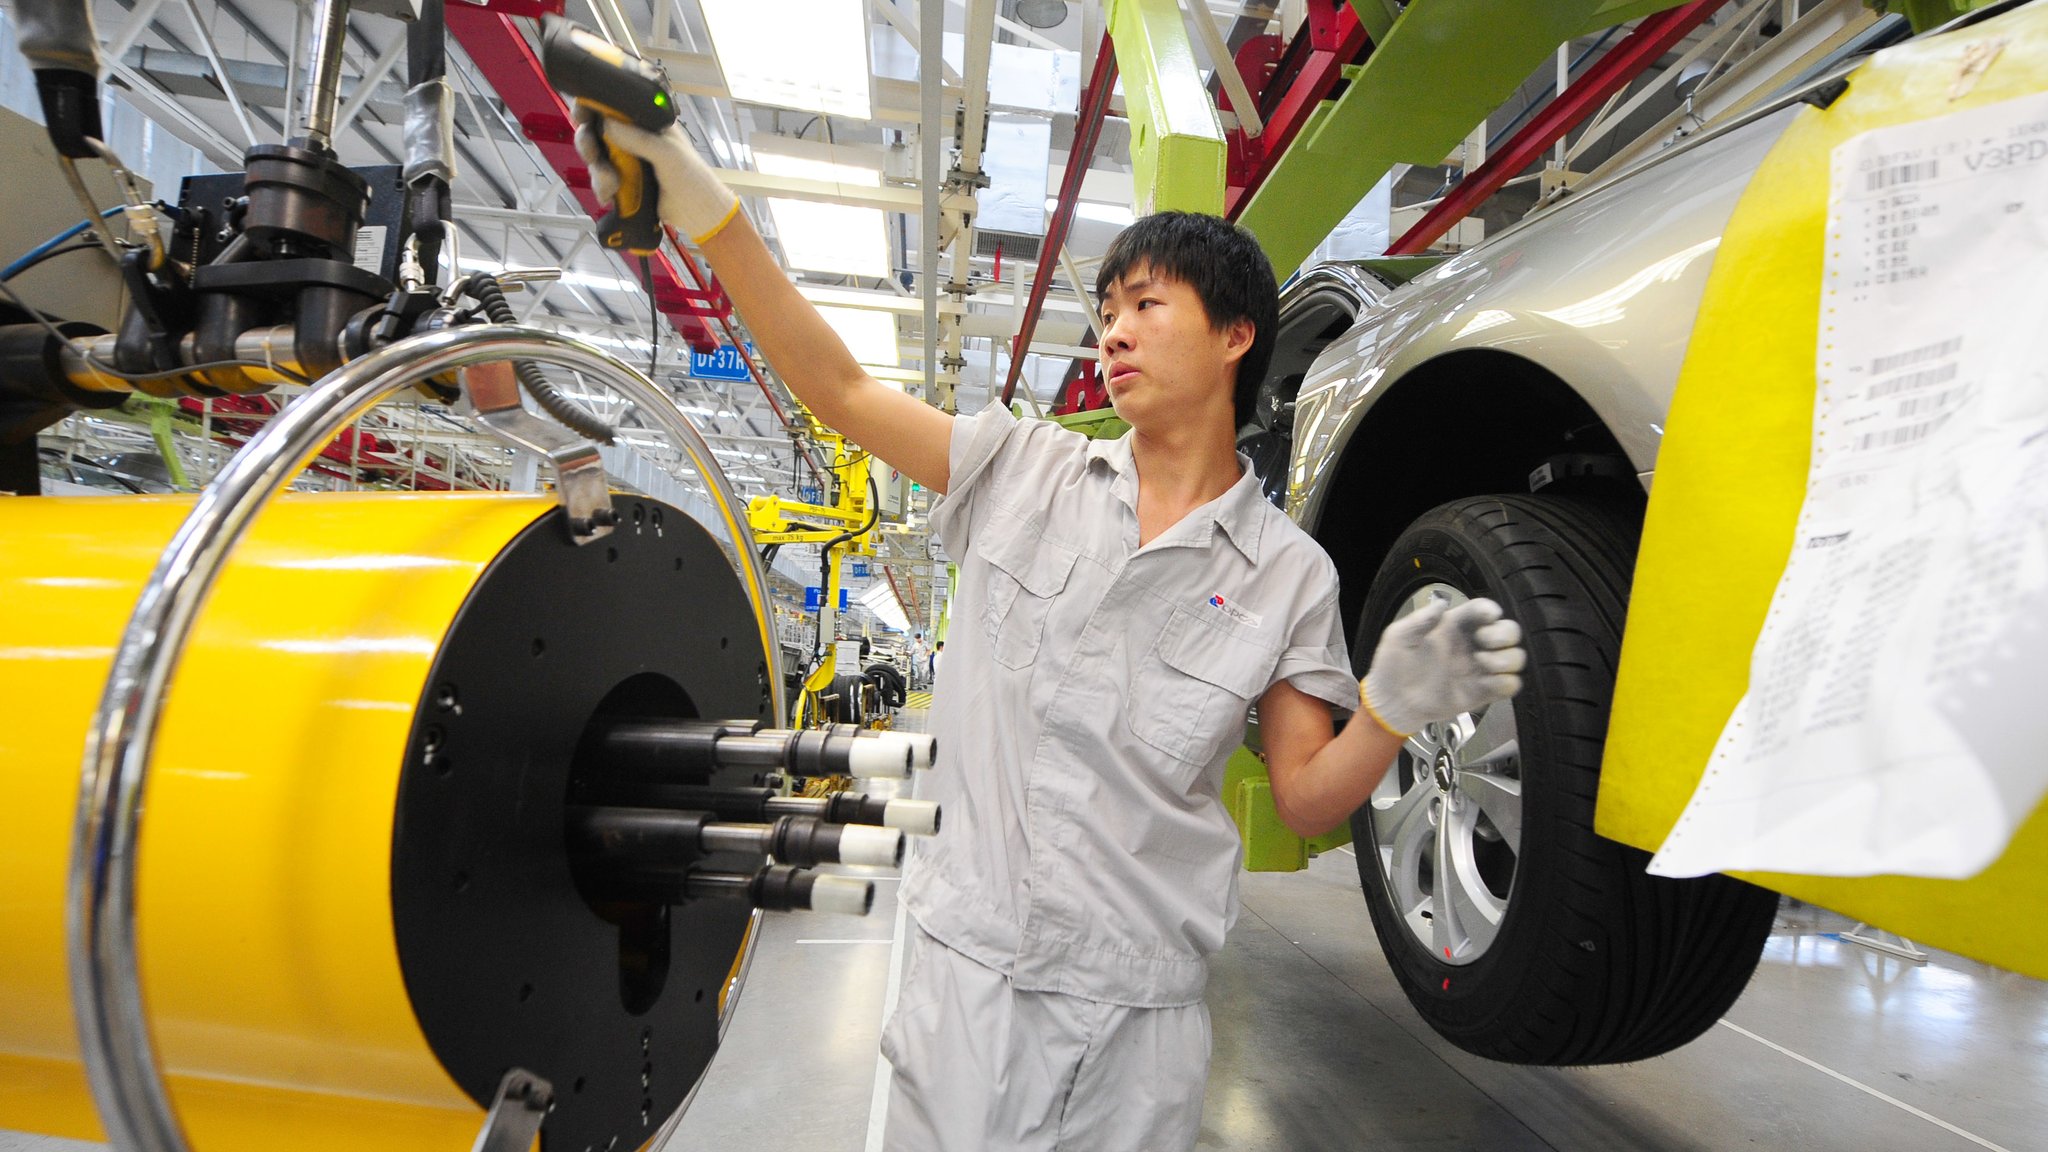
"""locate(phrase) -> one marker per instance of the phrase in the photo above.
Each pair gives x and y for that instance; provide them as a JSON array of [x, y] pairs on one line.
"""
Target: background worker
[[1126, 603], [920, 661]]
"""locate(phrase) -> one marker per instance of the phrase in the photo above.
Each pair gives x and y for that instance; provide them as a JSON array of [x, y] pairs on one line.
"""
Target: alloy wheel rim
[[1446, 823]]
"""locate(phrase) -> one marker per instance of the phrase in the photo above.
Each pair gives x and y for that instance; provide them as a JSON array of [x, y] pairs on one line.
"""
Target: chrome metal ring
[[106, 989]]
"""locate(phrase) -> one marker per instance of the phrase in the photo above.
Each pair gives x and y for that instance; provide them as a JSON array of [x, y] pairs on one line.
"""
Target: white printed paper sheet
[[1896, 720]]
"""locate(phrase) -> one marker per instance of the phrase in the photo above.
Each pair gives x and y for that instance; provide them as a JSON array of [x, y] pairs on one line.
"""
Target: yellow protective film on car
[[1732, 478]]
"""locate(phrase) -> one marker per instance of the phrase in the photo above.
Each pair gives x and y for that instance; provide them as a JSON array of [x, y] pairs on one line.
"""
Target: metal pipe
[[273, 350], [780, 888], [913, 817], [980, 44], [1232, 80], [114, 1035], [323, 86], [931, 18], [671, 748], [637, 844], [220, 71]]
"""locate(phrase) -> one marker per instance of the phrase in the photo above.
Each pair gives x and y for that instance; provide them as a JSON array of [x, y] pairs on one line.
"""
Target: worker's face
[[1162, 359]]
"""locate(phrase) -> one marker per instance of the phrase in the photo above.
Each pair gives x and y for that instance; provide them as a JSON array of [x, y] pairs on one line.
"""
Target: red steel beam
[[509, 63], [1094, 107], [1643, 47], [909, 609], [1331, 37]]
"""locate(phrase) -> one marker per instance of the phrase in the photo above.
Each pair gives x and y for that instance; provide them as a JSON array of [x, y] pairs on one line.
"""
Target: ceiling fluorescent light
[[869, 335], [831, 237], [829, 167], [1090, 210], [810, 55]]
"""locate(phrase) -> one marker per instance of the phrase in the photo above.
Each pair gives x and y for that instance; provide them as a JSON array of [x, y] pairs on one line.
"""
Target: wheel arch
[[1466, 423]]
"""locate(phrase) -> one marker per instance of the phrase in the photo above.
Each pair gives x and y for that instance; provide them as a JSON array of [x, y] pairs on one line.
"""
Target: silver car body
[[1601, 292]]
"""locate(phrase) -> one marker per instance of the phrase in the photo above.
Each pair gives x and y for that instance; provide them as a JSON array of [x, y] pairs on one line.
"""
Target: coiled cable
[[572, 415]]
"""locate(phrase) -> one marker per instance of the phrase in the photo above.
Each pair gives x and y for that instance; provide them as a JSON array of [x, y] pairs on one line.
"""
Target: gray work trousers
[[982, 1067]]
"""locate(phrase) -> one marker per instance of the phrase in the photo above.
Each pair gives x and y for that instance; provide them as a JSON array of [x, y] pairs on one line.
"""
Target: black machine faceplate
[[506, 963], [200, 240]]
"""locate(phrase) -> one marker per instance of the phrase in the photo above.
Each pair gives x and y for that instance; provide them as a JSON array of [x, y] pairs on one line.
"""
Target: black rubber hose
[[574, 416], [426, 45]]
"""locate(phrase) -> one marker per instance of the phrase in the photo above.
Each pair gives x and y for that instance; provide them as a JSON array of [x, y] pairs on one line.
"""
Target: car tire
[[1544, 942]]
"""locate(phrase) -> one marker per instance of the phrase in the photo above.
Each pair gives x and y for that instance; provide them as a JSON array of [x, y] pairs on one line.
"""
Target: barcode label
[[1900, 174], [1928, 405], [1921, 355], [370, 248], [1894, 437], [1912, 380]]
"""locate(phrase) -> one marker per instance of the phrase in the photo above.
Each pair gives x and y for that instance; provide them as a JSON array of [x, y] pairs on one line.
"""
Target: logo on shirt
[[1233, 611]]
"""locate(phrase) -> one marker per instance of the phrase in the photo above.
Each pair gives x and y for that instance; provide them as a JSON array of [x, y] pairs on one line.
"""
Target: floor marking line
[[1860, 1086], [878, 1103], [1346, 849]]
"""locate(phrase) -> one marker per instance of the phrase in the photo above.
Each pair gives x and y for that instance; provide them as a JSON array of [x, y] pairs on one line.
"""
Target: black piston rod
[[633, 841], [667, 749], [913, 817], [780, 888]]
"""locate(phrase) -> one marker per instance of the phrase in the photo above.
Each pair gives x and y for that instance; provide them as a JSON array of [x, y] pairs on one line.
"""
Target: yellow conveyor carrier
[[333, 820]]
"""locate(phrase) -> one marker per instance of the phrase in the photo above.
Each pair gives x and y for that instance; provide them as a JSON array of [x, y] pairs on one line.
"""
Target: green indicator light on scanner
[[661, 99]]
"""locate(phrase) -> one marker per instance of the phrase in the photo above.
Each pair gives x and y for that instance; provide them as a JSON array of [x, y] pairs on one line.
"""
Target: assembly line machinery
[[376, 820]]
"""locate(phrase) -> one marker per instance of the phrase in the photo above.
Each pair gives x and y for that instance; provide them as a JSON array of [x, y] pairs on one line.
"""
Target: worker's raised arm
[[804, 350]]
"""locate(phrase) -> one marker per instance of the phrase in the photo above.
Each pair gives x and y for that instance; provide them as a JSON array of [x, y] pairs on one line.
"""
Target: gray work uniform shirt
[[1091, 693]]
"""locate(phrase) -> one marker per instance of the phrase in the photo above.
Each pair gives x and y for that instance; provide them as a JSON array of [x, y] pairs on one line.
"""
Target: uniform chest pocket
[[1191, 690], [1026, 572]]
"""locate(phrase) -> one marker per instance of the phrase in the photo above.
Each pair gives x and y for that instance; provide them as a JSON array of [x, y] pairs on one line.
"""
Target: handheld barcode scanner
[[621, 86]]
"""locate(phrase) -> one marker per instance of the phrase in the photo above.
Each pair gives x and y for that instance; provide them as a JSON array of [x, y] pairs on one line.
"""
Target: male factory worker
[[1122, 606]]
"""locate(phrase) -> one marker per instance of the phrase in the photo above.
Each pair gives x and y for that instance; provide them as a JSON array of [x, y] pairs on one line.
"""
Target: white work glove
[[694, 201], [1438, 661]]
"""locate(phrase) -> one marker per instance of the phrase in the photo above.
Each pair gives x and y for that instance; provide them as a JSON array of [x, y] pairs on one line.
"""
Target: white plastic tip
[[923, 749], [872, 758], [842, 894], [866, 844], [915, 817]]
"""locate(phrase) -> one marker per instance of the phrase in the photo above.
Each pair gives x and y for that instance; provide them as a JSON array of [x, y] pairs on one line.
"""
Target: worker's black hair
[[1226, 268]]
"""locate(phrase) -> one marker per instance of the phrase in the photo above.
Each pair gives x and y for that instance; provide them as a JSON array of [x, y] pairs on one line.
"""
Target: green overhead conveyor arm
[[1177, 148], [1439, 69]]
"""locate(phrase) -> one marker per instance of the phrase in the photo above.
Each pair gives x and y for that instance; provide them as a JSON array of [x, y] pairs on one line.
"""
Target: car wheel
[[1518, 932]]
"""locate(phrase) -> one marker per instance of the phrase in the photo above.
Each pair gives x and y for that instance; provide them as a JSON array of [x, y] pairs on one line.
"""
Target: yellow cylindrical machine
[[354, 907]]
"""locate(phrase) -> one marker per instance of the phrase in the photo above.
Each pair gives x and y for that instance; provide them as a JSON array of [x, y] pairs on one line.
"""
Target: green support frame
[[1925, 14], [1434, 73], [1177, 149]]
